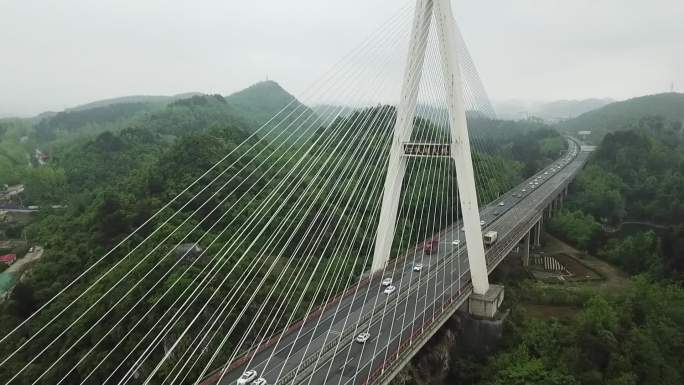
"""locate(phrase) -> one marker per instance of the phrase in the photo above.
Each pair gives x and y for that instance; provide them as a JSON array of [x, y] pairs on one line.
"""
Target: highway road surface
[[322, 349]]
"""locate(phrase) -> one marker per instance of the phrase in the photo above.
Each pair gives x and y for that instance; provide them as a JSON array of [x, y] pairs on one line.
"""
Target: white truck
[[490, 238]]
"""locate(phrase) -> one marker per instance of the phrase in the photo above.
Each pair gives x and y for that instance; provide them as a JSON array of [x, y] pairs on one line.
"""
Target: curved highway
[[321, 350]]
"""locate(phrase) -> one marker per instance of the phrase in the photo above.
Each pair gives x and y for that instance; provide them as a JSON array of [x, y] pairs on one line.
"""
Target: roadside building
[[6, 284], [8, 258]]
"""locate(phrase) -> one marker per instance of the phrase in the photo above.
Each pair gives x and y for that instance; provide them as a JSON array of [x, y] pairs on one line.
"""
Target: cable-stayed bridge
[[326, 248], [321, 349]]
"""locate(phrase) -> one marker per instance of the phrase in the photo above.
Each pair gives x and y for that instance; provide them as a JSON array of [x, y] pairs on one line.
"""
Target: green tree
[[519, 368], [45, 185], [635, 254], [575, 226]]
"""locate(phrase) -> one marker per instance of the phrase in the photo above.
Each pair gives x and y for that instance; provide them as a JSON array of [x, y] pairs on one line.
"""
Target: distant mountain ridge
[[551, 111], [621, 115], [255, 105], [148, 99], [268, 107], [329, 112]]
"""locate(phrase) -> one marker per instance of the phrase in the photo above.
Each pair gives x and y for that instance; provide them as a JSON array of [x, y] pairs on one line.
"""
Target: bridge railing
[[215, 375]]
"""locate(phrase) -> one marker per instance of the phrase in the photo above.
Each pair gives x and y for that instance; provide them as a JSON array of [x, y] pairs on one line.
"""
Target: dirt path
[[614, 278], [18, 267], [635, 222], [12, 274]]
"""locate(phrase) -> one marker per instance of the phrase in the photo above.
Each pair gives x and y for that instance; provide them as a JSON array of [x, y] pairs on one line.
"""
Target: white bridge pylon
[[460, 143]]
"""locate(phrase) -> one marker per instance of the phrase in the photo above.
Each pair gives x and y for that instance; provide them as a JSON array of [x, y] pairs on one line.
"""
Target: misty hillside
[[623, 115], [254, 106], [147, 99], [260, 102], [551, 111], [329, 112], [88, 120]]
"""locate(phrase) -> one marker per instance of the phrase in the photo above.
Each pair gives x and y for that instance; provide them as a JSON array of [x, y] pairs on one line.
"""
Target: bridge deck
[[311, 349]]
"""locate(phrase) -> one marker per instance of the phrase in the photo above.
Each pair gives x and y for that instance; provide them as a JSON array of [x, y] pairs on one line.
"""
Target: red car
[[430, 246]]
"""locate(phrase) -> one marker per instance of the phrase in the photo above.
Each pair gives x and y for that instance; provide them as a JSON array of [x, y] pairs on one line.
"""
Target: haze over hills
[[328, 112], [626, 114], [254, 105], [550, 111], [147, 99]]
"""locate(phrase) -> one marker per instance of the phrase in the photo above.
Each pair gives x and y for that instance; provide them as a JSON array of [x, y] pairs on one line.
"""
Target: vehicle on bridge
[[387, 281], [490, 238], [430, 246], [259, 381], [418, 267], [246, 377], [363, 337], [390, 289]]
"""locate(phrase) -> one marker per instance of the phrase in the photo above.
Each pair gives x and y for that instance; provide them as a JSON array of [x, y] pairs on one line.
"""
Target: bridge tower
[[459, 148]]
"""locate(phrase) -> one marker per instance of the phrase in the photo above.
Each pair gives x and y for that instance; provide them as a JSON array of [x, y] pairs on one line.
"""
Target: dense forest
[[636, 175], [111, 182]]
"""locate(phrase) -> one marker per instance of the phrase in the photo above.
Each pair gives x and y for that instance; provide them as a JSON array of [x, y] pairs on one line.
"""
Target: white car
[[246, 377], [546, 173], [482, 223], [523, 190], [456, 242], [363, 337], [387, 281], [259, 381], [501, 203], [418, 267], [390, 289]]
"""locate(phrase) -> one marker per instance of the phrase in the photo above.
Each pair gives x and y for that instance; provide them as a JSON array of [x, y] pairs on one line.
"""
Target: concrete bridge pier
[[526, 249], [486, 306], [537, 233]]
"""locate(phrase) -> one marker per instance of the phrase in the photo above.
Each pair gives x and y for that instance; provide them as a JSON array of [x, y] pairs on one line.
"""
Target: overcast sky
[[58, 54]]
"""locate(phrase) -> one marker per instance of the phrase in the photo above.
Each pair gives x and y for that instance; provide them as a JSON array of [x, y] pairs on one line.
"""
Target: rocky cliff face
[[460, 336]]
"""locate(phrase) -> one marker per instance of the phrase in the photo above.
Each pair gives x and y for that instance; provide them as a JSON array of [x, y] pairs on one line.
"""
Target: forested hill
[[635, 175], [147, 99], [260, 102], [625, 114], [254, 106], [91, 120]]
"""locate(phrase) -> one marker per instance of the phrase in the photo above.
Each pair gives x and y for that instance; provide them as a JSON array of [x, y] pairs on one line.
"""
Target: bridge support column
[[537, 234], [486, 305], [460, 145], [526, 250], [403, 126], [460, 141]]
